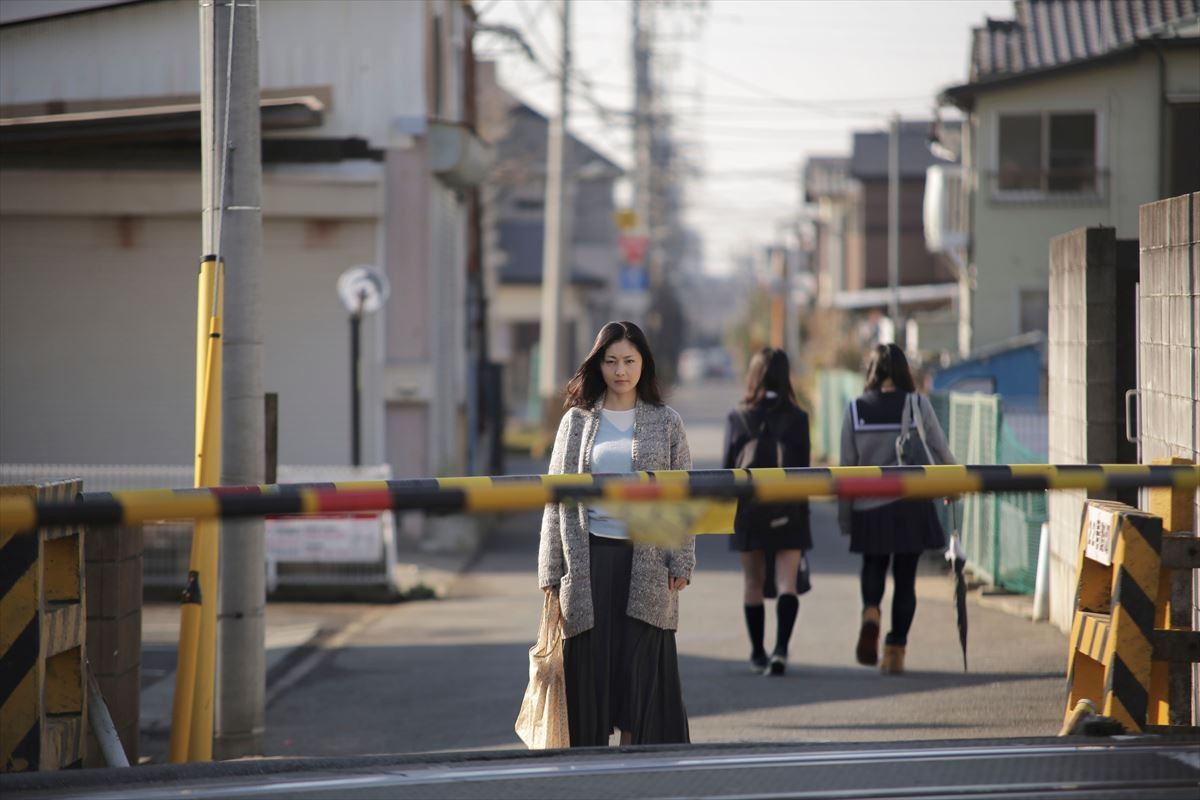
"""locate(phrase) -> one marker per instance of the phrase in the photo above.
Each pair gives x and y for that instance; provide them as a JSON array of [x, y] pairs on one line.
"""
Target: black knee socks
[[755, 622], [786, 608]]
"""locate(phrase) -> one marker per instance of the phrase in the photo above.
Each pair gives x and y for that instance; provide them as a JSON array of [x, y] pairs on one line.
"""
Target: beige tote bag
[[542, 720]]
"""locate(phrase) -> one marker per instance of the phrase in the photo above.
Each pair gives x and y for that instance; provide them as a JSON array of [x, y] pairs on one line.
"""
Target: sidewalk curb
[[311, 654], [1018, 605]]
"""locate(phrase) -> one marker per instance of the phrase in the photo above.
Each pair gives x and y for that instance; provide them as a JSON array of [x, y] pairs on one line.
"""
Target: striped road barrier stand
[[1112, 634], [711, 492], [1176, 640], [43, 685]]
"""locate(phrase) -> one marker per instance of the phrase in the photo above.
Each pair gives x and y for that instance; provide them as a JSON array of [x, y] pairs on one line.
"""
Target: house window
[[1020, 152], [1034, 310], [1050, 153], [438, 66], [1184, 165]]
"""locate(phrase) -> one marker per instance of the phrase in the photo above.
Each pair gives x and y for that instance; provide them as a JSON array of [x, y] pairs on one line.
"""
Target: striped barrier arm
[[530, 492]]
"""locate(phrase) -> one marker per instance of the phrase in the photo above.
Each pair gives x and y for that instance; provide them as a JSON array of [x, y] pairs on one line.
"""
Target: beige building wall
[[98, 313], [1011, 237]]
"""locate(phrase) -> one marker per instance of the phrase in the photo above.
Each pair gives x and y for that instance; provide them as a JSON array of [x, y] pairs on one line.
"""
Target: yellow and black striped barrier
[[1112, 635], [1176, 641], [715, 489], [43, 696], [1132, 641]]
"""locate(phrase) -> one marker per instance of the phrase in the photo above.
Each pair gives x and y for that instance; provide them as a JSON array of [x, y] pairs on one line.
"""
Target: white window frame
[[1038, 195]]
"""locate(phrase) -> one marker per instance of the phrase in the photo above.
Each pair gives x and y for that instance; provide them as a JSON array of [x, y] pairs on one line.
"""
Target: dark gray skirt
[[749, 532], [905, 526], [622, 673]]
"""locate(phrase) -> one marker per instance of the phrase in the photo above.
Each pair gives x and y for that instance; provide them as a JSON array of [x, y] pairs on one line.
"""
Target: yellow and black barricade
[[1112, 633], [1132, 643], [43, 682], [1176, 644], [720, 488]]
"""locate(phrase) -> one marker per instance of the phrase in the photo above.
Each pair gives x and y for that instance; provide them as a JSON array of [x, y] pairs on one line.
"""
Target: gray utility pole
[[556, 242], [232, 188], [643, 141], [893, 262]]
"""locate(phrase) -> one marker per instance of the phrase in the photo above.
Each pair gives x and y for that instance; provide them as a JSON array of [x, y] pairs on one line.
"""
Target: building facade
[[1077, 114], [514, 215], [368, 155]]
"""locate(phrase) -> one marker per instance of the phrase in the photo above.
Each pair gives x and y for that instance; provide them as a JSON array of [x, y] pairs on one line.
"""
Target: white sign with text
[[326, 538], [1101, 535]]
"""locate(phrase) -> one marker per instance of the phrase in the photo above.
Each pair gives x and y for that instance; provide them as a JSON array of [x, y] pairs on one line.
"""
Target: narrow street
[[449, 674]]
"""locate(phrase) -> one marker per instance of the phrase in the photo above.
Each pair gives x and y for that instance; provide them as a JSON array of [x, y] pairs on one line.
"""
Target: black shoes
[[758, 661], [776, 666]]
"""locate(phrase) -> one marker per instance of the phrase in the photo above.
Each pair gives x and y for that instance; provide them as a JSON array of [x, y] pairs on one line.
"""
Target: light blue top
[[612, 451]]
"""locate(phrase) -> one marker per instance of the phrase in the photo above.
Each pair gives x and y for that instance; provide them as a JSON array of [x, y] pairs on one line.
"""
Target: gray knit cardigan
[[659, 443]]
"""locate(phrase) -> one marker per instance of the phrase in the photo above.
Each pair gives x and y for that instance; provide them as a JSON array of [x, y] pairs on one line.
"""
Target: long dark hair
[[769, 371], [587, 385], [888, 361]]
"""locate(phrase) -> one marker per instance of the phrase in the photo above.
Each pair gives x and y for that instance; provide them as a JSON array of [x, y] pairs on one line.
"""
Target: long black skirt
[[904, 526], [622, 673]]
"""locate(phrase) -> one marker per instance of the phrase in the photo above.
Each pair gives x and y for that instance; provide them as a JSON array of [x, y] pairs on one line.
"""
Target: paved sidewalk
[[293, 630], [299, 635]]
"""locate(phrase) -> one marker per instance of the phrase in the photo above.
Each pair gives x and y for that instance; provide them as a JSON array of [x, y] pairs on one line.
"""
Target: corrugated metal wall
[[370, 52]]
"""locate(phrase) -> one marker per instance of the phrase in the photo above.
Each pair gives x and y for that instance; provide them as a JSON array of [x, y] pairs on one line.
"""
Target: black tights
[[904, 590]]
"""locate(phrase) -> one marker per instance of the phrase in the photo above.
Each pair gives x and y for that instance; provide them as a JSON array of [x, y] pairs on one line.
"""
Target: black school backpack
[[764, 450]]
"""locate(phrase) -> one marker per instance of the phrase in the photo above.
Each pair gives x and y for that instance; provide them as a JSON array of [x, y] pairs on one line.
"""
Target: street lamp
[[363, 290]]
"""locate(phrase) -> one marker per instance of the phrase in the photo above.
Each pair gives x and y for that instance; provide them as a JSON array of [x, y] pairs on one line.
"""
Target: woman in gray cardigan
[[620, 604]]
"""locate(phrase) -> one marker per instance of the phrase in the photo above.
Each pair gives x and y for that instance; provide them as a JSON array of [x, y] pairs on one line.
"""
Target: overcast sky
[[757, 86]]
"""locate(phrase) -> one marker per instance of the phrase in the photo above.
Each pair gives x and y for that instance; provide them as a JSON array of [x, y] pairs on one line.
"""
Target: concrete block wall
[[1169, 318], [113, 564], [1169, 313], [1082, 377]]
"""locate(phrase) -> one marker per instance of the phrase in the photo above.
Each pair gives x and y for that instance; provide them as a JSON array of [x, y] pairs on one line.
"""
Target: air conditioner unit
[[945, 209]]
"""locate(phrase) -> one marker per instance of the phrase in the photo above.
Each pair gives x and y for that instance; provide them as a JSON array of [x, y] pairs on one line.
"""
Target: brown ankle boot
[[893, 659], [867, 650]]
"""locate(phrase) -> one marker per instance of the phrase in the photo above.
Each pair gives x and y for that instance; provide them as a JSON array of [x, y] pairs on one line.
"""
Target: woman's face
[[621, 367]]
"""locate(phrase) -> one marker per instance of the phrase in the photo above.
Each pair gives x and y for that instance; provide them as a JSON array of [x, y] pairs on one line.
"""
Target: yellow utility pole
[[192, 723]]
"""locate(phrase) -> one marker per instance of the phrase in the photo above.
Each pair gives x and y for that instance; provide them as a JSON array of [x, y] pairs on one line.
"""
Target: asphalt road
[[449, 674], [434, 688]]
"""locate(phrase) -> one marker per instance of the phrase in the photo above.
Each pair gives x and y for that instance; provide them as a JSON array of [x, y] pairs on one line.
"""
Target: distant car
[[699, 363], [717, 363], [692, 365]]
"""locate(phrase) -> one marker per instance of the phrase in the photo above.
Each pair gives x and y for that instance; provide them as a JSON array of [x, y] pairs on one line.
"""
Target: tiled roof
[[1051, 33]]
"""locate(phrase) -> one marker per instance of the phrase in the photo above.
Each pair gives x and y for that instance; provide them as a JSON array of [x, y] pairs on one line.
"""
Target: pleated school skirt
[[623, 673], [904, 526]]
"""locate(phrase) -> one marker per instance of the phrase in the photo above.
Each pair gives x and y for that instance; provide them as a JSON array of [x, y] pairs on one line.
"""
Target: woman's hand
[[677, 584], [550, 590]]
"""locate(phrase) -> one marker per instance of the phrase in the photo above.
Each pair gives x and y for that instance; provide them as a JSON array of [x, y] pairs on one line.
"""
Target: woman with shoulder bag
[[768, 426], [885, 530], [620, 603]]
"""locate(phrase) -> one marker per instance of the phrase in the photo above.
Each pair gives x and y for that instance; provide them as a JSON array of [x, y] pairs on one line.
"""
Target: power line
[[553, 71], [754, 87], [760, 133], [774, 101]]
